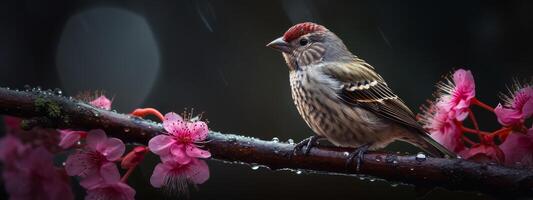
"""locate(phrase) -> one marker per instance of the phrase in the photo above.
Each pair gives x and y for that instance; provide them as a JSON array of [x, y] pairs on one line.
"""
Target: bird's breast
[[317, 102]]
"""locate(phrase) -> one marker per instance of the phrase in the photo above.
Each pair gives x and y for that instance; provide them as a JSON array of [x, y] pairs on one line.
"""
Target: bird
[[343, 99]]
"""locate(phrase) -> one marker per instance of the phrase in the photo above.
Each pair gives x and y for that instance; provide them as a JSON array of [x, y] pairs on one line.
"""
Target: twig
[[454, 174]]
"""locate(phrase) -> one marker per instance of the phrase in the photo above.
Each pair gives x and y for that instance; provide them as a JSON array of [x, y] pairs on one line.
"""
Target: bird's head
[[308, 43]]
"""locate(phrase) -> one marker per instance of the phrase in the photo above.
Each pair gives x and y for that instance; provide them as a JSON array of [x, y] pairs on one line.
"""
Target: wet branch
[[454, 174]]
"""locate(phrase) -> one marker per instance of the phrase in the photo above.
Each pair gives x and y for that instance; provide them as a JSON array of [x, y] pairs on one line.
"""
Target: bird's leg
[[307, 143], [357, 155]]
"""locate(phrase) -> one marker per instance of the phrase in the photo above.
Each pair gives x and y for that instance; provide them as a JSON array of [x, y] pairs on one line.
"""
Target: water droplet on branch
[[290, 141], [58, 91], [420, 157]]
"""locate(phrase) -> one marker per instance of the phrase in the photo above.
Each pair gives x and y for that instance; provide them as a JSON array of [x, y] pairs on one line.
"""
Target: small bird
[[342, 98]]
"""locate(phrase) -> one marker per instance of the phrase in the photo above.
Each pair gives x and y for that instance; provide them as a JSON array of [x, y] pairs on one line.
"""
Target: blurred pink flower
[[111, 187], [180, 142], [517, 108], [484, 153], [518, 148], [10, 149], [33, 176], [95, 161], [175, 176], [441, 125], [37, 136], [459, 93], [102, 102], [69, 137]]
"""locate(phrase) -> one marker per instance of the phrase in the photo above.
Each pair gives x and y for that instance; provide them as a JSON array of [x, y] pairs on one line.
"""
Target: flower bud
[[134, 157]]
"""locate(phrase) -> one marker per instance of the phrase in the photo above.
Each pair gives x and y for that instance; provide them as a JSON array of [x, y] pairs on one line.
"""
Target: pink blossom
[[37, 135], [102, 102], [33, 176], [484, 153], [518, 147], [180, 142], [518, 107], [69, 137], [460, 93], [95, 161], [176, 177], [110, 188], [441, 125]]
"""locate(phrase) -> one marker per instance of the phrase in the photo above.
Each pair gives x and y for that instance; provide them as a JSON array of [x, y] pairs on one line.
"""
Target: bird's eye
[[303, 42]]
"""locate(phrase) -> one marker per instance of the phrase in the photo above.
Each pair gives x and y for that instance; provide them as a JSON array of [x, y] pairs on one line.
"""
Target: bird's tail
[[432, 147]]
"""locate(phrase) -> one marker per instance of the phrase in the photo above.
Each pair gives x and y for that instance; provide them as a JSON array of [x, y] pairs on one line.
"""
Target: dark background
[[211, 56]]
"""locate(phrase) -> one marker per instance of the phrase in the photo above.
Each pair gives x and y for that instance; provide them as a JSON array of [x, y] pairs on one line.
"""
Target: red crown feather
[[301, 29]]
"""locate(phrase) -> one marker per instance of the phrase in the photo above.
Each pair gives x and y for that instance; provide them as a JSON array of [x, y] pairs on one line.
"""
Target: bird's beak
[[280, 45]]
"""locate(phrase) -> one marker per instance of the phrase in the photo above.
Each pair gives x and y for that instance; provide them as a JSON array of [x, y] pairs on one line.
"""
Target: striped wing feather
[[361, 86]]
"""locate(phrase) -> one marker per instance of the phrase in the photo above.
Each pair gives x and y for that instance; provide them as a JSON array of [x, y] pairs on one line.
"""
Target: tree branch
[[454, 174]]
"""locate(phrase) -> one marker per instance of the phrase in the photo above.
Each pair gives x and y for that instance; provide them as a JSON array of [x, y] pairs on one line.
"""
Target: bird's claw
[[305, 145], [357, 155]]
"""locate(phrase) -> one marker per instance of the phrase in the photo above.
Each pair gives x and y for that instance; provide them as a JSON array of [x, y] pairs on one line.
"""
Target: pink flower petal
[[464, 78], [522, 97], [160, 144], [517, 111], [198, 172], [159, 175], [112, 148], [459, 98], [176, 174], [518, 148], [196, 152], [127, 192], [443, 103], [117, 190], [484, 153], [35, 177], [461, 110], [447, 134], [94, 137], [109, 172], [102, 102], [69, 138], [527, 109], [79, 164], [173, 123], [507, 116], [179, 155], [92, 181], [198, 130]]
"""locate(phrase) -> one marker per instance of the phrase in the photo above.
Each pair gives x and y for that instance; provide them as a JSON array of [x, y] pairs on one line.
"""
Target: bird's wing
[[361, 86]]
